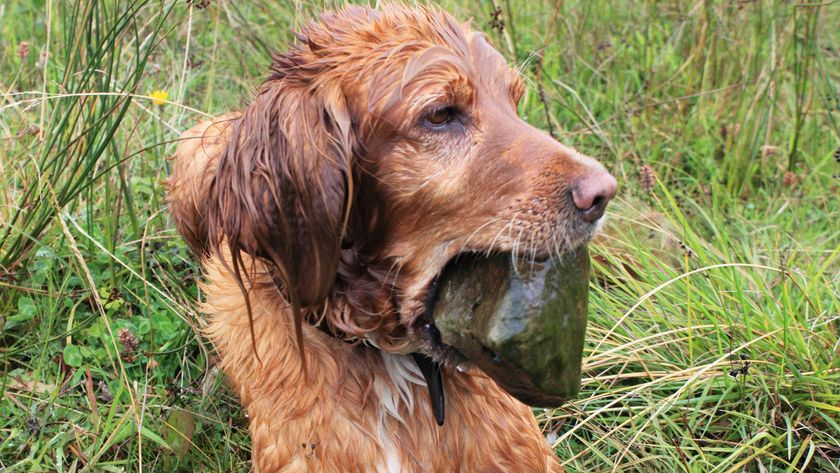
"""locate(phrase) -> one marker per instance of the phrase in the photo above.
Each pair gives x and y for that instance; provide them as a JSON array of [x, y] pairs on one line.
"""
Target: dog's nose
[[592, 193]]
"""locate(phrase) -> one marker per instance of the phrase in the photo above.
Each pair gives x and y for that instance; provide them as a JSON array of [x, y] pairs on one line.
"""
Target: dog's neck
[[352, 392], [365, 288]]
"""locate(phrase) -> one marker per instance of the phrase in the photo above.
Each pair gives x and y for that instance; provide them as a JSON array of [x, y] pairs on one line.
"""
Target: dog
[[384, 143]]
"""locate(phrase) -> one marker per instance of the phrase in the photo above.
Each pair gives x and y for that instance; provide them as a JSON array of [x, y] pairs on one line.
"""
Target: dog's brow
[[492, 69], [435, 57], [431, 74]]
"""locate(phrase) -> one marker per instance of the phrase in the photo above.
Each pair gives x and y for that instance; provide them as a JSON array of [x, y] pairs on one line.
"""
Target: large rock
[[522, 323]]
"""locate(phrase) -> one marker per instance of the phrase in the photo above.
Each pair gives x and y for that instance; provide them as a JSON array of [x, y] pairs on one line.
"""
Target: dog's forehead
[[425, 25], [483, 52], [399, 59], [491, 67], [468, 58]]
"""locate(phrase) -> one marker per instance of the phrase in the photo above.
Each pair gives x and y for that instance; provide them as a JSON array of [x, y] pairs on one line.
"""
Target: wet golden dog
[[383, 144]]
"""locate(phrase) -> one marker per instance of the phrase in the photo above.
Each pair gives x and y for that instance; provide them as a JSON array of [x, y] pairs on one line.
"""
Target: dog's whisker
[[492, 244], [516, 253], [466, 243], [533, 244]]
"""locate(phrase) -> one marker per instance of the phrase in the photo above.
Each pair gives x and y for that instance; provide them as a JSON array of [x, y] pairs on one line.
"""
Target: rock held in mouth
[[522, 323]]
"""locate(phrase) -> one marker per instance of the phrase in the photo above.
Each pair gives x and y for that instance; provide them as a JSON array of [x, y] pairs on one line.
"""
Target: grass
[[714, 330]]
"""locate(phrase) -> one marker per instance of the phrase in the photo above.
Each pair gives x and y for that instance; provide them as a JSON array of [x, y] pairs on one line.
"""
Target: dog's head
[[383, 144]]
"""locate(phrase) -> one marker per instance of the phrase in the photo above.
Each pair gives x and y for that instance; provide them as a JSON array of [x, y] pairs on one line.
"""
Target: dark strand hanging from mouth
[[433, 374]]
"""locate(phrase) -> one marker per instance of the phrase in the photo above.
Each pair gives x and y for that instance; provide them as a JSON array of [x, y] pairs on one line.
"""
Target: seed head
[[23, 50], [647, 178], [129, 342]]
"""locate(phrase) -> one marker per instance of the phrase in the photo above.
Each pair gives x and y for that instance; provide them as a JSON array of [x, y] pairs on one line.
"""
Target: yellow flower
[[159, 96]]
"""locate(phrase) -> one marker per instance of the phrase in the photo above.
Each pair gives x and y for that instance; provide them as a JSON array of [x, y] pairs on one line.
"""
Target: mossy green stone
[[523, 324]]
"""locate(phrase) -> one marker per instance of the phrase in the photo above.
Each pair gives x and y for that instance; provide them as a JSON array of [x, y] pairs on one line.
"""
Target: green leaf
[[115, 304], [143, 326], [72, 356], [26, 311], [163, 323], [179, 431], [26, 308]]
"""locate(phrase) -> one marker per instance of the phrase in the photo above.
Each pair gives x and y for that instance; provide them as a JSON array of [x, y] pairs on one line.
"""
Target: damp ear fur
[[282, 188]]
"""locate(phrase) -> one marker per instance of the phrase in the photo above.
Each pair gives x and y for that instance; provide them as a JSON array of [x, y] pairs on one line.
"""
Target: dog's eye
[[441, 117]]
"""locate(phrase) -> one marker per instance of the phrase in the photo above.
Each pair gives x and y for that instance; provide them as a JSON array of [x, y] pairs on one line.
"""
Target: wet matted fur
[[383, 143]]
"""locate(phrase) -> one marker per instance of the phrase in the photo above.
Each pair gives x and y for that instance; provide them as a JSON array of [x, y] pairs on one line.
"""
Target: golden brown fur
[[332, 418], [336, 196]]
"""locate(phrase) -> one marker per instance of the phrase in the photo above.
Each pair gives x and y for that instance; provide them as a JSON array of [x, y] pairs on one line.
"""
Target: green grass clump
[[714, 334]]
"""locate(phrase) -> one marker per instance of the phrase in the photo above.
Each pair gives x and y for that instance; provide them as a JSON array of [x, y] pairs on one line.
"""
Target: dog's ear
[[283, 187]]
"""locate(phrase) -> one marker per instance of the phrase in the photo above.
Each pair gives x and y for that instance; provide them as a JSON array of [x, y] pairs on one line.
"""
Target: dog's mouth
[[522, 323]]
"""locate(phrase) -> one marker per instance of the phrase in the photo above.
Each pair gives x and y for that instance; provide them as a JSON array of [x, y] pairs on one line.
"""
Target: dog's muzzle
[[522, 323]]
